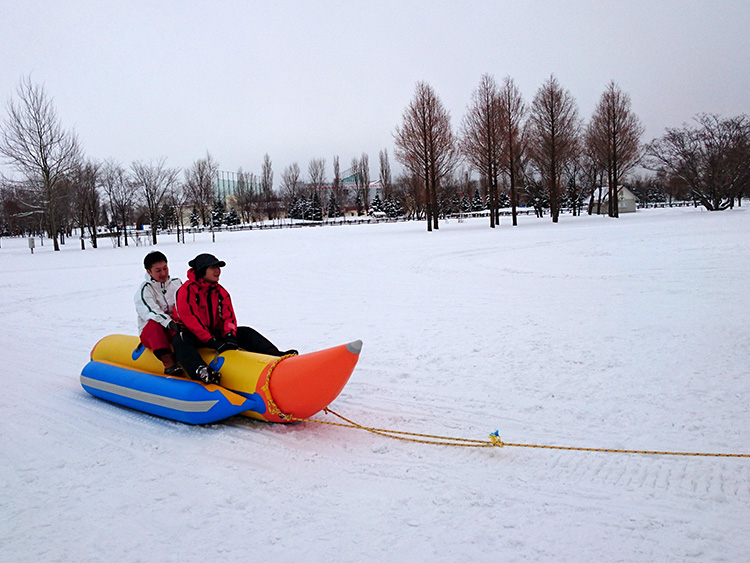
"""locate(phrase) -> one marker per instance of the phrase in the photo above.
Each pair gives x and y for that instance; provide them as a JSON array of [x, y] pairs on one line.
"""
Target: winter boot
[[173, 370], [171, 367]]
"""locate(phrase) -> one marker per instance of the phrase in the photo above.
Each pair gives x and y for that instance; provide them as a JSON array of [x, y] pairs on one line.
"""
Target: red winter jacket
[[205, 309]]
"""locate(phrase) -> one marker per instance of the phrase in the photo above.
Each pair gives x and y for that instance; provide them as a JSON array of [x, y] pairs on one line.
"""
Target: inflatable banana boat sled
[[265, 387]]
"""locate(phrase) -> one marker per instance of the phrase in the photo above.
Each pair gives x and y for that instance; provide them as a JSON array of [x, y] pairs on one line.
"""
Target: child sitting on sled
[[154, 303]]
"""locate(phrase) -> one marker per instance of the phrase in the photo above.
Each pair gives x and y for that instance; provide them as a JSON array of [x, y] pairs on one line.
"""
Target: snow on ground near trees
[[629, 333]]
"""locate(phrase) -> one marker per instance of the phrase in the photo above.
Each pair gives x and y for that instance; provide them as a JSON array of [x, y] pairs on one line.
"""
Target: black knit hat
[[202, 262]]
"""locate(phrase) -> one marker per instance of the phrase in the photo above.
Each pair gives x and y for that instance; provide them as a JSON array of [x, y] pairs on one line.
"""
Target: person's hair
[[152, 258]]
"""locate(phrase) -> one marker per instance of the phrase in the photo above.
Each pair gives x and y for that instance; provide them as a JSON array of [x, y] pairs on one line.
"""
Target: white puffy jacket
[[154, 301]]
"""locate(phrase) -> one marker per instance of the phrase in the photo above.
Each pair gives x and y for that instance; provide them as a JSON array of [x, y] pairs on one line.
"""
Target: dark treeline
[[506, 153], [543, 155]]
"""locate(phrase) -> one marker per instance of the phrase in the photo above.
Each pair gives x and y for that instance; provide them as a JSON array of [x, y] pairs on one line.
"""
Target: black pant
[[186, 346]]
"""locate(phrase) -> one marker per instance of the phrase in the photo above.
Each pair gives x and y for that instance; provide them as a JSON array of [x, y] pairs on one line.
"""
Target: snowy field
[[630, 333]]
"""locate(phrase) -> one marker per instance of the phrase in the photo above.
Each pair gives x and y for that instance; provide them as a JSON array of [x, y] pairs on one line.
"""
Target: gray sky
[[140, 80]]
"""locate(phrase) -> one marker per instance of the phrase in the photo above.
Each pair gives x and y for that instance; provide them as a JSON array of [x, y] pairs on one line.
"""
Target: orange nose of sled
[[303, 385]]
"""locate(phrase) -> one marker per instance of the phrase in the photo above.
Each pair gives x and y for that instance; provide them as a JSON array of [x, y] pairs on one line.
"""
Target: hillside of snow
[[630, 333]]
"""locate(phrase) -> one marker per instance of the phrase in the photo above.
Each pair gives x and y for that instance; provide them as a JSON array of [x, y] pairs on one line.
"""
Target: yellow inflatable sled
[[268, 388]]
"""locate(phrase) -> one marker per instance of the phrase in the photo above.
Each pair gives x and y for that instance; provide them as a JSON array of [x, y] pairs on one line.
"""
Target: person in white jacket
[[154, 303]]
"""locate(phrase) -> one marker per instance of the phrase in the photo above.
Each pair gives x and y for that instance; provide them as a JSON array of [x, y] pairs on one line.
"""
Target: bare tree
[[121, 195], [336, 172], [290, 182], [244, 195], [363, 170], [533, 187], [426, 144], [9, 220], [580, 184], [316, 170], [6, 203], [337, 187], [712, 159], [554, 130], [178, 198], [613, 138], [593, 175], [266, 188], [355, 173], [84, 197], [410, 192], [34, 142], [155, 181], [385, 174], [199, 183], [20, 210], [512, 113], [482, 138]]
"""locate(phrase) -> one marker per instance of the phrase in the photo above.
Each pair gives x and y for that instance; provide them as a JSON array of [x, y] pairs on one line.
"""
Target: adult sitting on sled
[[205, 312], [154, 303]]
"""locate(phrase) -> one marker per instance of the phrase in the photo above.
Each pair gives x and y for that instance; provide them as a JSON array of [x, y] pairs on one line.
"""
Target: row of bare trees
[[348, 189], [55, 187], [55, 183], [541, 154], [539, 149]]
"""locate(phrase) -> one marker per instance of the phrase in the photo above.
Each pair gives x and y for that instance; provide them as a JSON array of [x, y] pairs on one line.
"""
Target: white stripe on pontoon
[[151, 398]]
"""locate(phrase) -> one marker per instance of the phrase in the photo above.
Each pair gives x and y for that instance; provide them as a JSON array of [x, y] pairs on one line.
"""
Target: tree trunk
[[493, 198], [53, 233]]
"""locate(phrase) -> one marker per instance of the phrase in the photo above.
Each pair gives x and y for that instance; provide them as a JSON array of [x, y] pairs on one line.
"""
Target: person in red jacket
[[206, 317]]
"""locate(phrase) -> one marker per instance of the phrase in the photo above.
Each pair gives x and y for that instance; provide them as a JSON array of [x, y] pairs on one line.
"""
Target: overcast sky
[[300, 80]]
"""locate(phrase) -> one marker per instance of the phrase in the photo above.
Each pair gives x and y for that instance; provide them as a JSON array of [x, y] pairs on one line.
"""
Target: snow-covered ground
[[629, 333]]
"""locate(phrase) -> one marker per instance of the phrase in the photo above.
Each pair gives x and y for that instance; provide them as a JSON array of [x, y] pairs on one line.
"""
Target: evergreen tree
[[316, 208], [307, 211], [219, 212], [359, 204], [393, 207], [377, 204], [333, 210], [455, 203], [295, 210], [398, 209], [232, 218], [476, 203], [465, 204], [166, 217], [195, 217]]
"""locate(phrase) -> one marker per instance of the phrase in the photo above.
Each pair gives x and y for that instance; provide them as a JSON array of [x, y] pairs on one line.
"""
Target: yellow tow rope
[[494, 440]]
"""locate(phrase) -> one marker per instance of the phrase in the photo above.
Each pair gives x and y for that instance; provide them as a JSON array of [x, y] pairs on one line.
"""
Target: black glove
[[207, 374], [173, 326], [229, 343], [223, 345]]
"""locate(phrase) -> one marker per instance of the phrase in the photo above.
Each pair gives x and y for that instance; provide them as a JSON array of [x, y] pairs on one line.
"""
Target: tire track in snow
[[693, 476]]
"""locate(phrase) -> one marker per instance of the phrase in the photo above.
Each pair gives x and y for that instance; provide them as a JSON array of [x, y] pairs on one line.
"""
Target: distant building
[[626, 201], [225, 183]]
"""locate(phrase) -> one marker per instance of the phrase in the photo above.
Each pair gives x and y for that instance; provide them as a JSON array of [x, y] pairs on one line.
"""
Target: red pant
[[157, 338]]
